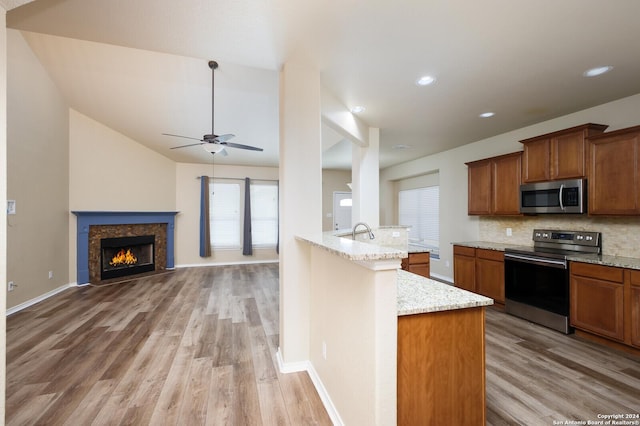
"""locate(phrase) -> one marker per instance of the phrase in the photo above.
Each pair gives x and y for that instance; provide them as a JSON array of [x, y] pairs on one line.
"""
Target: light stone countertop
[[352, 250], [419, 295]]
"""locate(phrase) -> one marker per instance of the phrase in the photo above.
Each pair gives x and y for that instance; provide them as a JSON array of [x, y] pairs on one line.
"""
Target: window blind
[[264, 214], [224, 208], [420, 209]]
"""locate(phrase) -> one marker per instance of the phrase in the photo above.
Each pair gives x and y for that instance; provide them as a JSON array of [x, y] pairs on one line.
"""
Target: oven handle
[[561, 264]]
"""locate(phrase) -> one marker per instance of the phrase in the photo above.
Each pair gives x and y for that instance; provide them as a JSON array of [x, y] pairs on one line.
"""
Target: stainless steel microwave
[[562, 196]]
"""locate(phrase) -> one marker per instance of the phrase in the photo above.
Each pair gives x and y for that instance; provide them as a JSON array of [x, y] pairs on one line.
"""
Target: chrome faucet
[[353, 233]]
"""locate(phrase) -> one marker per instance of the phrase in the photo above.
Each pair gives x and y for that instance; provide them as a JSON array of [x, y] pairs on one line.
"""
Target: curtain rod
[[228, 178]]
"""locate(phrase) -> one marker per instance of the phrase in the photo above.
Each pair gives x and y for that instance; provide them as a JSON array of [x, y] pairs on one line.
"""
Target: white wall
[[37, 176], [187, 229], [455, 224]]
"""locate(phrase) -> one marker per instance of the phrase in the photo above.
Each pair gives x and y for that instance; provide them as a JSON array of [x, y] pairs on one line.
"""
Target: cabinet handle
[[560, 196]]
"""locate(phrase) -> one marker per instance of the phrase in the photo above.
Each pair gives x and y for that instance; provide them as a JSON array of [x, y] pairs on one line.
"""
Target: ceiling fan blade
[[180, 136], [224, 152], [224, 138], [184, 146], [240, 146]]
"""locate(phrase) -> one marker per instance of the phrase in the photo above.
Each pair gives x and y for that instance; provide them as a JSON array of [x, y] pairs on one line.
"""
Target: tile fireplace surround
[[87, 219]]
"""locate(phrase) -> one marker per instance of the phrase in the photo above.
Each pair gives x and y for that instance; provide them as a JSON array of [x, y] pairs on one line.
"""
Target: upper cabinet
[[558, 155], [614, 173], [494, 185]]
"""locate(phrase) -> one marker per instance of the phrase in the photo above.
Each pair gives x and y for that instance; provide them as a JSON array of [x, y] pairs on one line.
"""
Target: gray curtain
[[247, 244], [205, 232]]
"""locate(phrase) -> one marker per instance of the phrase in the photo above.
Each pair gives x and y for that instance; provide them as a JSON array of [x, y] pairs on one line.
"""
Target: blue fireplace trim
[[87, 218]]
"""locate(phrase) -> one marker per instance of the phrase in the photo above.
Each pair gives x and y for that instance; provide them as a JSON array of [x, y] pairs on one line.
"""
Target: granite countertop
[[352, 250], [598, 259], [413, 248], [419, 295]]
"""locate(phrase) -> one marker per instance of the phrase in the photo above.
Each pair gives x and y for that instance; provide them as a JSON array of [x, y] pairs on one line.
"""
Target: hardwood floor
[[197, 346], [189, 347], [535, 376]]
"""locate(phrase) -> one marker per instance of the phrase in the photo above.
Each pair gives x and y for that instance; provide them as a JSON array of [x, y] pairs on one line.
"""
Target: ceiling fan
[[215, 144]]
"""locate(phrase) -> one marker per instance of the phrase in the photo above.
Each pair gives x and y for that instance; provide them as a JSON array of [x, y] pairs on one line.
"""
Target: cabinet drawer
[[464, 251], [419, 258], [635, 277], [490, 255], [607, 273]]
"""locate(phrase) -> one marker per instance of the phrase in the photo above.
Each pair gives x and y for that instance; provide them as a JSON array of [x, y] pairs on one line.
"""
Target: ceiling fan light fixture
[[425, 80], [596, 71], [212, 147]]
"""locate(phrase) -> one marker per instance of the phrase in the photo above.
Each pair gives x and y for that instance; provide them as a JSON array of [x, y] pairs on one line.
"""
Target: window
[[419, 208], [226, 205], [264, 214], [224, 215]]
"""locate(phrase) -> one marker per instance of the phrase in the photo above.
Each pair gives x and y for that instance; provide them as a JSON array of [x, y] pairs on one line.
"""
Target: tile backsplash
[[620, 236]]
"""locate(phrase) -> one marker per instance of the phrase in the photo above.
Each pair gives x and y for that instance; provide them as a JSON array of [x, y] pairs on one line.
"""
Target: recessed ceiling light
[[425, 80], [402, 146], [487, 114], [357, 109], [597, 71]]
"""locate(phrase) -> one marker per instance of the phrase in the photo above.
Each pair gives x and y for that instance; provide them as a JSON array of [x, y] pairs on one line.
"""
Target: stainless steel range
[[537, 278]]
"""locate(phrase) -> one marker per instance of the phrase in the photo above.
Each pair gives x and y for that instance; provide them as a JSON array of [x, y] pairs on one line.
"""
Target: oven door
[[539, 282]]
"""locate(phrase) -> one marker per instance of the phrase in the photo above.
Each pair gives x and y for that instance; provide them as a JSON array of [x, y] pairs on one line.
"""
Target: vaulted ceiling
[[140, 67]]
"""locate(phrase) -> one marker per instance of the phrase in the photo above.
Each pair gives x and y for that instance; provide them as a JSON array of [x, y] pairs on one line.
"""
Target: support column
[[300, 201], [365, 175]]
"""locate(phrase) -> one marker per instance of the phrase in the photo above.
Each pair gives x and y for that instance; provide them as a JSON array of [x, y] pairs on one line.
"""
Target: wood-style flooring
[[197, 346], [189, 347], [535, 376]]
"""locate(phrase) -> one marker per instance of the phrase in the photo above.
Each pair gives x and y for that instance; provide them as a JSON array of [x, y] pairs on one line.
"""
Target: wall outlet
[[324, 350], [50, 274], [395, 234], [447, 264], [11, 286], [509, 232]]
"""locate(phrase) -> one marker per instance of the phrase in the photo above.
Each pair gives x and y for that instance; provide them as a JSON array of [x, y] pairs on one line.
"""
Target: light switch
[[11, 206]]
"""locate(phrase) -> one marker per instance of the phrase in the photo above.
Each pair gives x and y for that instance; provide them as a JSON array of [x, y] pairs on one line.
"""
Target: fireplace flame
[[123, 257]]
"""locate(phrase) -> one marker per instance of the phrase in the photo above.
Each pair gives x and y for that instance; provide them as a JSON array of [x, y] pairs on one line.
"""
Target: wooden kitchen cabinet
[[558, 155], [634, 309], [597, 299], [441, 368], [614, 173], [480, 271], [464, 267], [494, 185], [490, 274], [418, 263]]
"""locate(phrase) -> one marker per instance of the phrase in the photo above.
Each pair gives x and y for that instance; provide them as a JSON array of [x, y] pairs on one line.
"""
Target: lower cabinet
[[480, 271], [441, 368], [597, 300], [634, 308], [464, 267], [490, 274], [418, 263]]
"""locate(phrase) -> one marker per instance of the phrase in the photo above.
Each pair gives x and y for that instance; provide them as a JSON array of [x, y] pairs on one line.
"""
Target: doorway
[[342, 203]]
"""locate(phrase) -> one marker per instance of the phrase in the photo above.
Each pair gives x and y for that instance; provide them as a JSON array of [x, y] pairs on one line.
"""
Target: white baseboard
[[242, 262], [294, 367], [38, 299]]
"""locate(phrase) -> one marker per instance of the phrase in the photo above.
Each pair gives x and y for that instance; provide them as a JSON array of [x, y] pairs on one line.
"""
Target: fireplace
[[123, 256], [94, 226]]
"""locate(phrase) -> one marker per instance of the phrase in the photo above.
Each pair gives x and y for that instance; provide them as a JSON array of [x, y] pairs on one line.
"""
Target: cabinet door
[[506, 184], [597, 306], [568, 156], [464, 268], [479, 175], [613, 175], [535, 158], [420, 269], [490, 274], [635, 315]]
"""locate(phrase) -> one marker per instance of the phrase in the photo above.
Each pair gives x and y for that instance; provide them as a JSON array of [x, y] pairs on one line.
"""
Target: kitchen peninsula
[[390, 346]]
